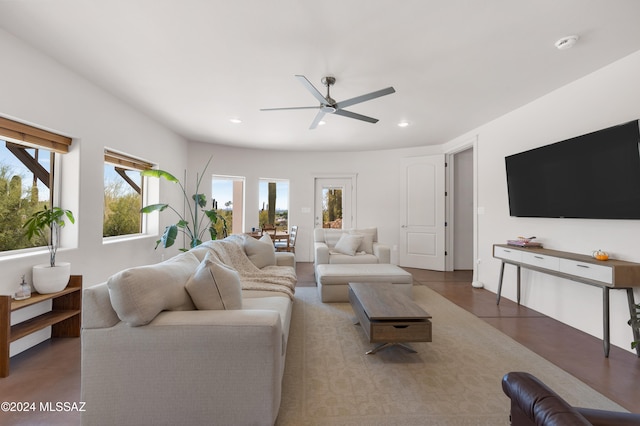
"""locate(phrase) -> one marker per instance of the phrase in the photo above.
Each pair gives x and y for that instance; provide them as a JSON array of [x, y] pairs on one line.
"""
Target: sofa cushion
[[348, 244], [215, 286], [260, 252], [139, 294]]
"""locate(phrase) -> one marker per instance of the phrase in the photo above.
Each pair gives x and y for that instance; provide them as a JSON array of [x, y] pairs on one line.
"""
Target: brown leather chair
[[534, 404]]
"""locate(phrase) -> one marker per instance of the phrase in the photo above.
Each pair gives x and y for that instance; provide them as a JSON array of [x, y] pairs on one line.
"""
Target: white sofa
[[151, 357], [368, 251]]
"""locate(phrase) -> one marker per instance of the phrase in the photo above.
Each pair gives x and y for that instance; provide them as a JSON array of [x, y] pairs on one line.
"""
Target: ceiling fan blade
[[356, 116], [310, 87], [280, 109], [317, 120], [367, 97]]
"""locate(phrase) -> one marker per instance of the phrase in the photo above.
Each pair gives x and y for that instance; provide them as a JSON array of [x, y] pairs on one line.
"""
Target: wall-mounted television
[[594, 176]]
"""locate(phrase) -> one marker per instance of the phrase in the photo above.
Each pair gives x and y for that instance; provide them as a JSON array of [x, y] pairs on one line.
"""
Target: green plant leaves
[[153, 207], [159, 174], [189, 222], [200, 199]]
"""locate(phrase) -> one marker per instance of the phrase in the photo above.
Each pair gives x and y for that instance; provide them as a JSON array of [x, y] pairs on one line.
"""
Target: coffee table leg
[[404, 346]]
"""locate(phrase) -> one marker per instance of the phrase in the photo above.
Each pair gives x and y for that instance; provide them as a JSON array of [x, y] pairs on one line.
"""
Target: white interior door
[[326, 188], [422, 208]]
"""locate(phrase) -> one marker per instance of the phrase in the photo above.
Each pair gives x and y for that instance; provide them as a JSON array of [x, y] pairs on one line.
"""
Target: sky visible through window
[[222, 191], [16, 166]]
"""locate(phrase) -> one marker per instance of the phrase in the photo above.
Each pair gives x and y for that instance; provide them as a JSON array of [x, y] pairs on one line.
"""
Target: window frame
[[29, 137], [124, 161]]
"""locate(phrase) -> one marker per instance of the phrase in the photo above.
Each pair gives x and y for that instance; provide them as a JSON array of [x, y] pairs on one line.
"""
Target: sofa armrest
[[196, 365], [382, 252], [284, 258], [609, 418], [321, 251]]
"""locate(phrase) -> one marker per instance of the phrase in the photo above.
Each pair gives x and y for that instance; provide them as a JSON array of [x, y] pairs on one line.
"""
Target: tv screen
[[595, 176]]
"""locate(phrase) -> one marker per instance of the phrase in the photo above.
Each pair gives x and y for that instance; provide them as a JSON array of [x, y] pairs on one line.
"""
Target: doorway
[[461, 241]]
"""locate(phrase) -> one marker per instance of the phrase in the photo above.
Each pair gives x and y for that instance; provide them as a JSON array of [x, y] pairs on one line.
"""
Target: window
[[274, 203], [332, 208], [27, 159], [123, 194], [228, 194]]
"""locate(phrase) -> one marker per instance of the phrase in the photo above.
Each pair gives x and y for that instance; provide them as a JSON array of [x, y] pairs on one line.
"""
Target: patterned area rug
[[454, 380]]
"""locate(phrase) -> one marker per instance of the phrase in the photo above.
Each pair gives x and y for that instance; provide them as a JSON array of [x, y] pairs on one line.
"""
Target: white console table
[[608, 275]]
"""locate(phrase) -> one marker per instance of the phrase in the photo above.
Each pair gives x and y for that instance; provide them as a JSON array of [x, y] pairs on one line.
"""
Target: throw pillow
[[348, 244], [139, 294], [367, 240], [214, 286], [260, 252]]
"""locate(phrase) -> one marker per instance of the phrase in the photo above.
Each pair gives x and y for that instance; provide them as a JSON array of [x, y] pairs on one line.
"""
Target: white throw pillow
[[139, 294], [215, 286], [348, 244], [367, 241], [260, 252]]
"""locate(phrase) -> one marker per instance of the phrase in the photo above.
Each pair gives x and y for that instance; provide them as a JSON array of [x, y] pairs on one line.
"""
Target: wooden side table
[[64, 317]]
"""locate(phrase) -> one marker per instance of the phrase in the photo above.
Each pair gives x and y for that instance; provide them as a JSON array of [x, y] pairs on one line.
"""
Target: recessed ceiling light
[[566, 42], [235, 120], [321, 123], [403, 124]]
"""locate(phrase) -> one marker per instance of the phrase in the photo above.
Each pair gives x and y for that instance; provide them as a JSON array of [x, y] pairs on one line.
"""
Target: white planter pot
[[51, 280]]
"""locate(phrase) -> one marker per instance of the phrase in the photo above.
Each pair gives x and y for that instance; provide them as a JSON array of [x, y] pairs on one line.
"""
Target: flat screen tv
[[594, 176]]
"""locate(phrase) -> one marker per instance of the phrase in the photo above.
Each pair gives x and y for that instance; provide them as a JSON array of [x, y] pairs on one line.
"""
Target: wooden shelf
[[64, 317]]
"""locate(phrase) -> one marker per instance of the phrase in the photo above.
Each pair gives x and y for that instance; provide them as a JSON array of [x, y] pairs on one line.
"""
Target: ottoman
[[333, 279]]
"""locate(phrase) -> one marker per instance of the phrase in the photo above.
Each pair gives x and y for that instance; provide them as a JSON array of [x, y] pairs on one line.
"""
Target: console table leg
[[518, 282], [500, 283], [634, 316], [605, 320]]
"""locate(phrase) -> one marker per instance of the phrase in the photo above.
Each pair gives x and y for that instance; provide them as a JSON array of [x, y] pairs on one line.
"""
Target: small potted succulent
[[46, 225]]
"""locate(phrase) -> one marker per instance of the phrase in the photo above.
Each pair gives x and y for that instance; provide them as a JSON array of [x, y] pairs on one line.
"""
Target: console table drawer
[[541, 261], [586, 270], [505, 253]]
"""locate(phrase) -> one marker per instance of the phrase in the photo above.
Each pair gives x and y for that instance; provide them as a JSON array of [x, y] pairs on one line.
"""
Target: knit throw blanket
[[230, 252]]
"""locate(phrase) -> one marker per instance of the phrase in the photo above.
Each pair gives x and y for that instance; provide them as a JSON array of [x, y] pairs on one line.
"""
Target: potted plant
[[196, 221], [46, 224]]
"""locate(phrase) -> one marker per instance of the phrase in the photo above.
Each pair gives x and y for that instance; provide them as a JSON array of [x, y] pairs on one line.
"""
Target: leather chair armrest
[[534, 403], [609, 418]]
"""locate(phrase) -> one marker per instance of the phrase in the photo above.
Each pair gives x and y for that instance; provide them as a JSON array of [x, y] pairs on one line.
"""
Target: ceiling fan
[[329, 106]]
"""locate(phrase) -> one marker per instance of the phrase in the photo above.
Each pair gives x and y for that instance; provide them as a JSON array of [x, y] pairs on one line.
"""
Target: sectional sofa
[[198, 339]]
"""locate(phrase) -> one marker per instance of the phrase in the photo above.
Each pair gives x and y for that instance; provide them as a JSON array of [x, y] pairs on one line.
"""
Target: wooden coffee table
[[388, 316]]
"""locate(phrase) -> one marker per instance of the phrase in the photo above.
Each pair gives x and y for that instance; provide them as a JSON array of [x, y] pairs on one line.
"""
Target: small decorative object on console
[[24, 291], [600, 255], [524, 242]]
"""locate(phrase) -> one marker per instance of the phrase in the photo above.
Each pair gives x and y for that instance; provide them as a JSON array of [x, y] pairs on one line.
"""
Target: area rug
[[454, 380]]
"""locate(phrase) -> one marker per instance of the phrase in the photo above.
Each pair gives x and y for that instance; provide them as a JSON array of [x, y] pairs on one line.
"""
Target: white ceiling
[[455, 64]]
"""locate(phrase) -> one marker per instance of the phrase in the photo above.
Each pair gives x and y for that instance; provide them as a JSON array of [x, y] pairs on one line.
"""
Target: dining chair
[[288, 244]]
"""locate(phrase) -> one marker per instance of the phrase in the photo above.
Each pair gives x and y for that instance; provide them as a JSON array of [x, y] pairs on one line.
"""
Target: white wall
[[607, 97], [37, 90], [378, 183]]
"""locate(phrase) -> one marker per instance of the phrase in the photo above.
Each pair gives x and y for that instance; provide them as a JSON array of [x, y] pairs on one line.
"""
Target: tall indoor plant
[[196, 219], [47, 224]]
